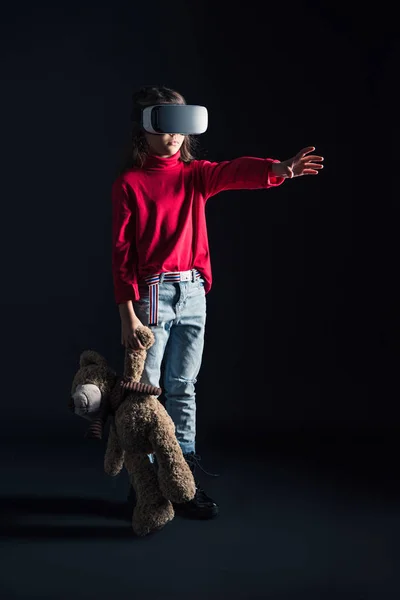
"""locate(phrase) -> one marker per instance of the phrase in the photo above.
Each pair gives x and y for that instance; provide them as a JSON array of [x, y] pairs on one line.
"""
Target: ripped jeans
[[176, 355]]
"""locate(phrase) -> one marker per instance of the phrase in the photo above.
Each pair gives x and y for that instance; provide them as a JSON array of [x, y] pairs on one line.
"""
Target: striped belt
[[153, 281]]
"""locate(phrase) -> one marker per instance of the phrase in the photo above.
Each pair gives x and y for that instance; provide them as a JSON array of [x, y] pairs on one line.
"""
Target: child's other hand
[[129, 339]]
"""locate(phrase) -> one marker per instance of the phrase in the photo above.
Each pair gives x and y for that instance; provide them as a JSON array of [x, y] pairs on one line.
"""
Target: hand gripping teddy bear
[[139, 426]]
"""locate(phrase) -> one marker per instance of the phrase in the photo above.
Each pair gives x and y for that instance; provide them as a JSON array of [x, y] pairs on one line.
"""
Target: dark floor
[[310, 518]]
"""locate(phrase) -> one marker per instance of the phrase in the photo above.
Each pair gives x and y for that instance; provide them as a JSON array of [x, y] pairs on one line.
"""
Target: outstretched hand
[[303, 163]]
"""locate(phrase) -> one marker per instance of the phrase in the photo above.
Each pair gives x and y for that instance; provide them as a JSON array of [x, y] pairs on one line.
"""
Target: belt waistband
[[153, 281]]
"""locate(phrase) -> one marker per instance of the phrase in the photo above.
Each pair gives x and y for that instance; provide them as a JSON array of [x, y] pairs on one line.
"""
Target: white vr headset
[[187, 119]]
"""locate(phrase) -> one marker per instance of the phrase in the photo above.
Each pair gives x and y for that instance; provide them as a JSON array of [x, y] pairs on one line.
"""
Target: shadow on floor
[[41, 517]]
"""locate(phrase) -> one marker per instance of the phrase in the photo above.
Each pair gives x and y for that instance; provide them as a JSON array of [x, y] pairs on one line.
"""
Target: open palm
[[303, 163]]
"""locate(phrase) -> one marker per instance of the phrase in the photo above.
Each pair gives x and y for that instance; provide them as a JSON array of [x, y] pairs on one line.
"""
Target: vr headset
[[186, 119]]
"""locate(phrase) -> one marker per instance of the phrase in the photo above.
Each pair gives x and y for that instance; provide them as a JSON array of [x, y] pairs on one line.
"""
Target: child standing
[[161, 260]]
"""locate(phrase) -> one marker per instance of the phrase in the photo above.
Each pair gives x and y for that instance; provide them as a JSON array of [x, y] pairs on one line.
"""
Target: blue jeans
[[177, 351]]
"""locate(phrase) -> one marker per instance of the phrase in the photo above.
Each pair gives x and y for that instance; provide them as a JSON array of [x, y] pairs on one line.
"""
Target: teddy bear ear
[[91, 357], [146, 336]]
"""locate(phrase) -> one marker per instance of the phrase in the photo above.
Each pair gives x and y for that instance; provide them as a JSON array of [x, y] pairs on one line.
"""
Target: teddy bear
[[139, 426]]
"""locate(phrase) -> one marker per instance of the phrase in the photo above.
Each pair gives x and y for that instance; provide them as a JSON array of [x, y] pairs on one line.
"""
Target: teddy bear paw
[[149, 518]]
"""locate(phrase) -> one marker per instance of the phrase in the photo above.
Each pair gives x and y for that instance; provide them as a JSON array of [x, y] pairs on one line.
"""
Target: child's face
[[164, 145]]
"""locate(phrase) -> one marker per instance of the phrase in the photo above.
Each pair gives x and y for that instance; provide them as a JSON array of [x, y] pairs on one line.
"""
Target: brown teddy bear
[[140, 426]]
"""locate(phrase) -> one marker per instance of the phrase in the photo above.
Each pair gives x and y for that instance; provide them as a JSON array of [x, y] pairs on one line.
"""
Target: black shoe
[[202, 506]]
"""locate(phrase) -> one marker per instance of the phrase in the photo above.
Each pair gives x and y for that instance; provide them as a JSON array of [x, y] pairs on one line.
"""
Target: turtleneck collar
[[158, 163]]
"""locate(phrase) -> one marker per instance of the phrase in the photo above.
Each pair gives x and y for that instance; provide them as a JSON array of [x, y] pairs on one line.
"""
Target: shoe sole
[[196, 516]]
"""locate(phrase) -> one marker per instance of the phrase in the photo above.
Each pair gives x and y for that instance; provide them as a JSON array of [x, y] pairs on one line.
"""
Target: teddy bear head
[[92, 384]]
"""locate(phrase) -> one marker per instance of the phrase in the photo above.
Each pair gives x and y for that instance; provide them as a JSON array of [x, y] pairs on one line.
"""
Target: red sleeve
[[244, 173], [123, 253]]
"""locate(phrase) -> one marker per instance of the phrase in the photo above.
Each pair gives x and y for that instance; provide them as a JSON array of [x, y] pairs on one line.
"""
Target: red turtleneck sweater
[[158, 215]]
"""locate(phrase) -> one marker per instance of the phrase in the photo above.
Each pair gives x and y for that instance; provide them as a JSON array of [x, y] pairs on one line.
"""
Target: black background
[[304, 300], [303, 316]]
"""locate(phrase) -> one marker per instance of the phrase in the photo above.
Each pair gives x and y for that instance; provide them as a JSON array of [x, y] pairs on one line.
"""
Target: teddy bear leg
[[114, 456], [175, 478], [152, 511]]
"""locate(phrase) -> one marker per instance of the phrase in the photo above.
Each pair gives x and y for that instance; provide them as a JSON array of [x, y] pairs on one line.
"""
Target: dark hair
[[139, 149]]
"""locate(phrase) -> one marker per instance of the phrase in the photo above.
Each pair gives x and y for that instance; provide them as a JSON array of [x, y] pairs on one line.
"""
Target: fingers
[[311, 165], [302, 155], [138, 345], [132, 341], [309, 169], [304, 151], [313, 157]]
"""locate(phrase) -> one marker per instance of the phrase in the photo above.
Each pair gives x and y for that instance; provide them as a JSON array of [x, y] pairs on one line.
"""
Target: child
[[161, 261]]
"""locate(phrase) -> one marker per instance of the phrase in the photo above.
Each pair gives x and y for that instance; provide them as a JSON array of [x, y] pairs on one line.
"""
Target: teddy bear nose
[[86, 399], [71, 404]]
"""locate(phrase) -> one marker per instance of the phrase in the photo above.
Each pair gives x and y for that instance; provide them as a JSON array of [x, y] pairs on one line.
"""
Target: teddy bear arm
[[175, 478], [114, 456]]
